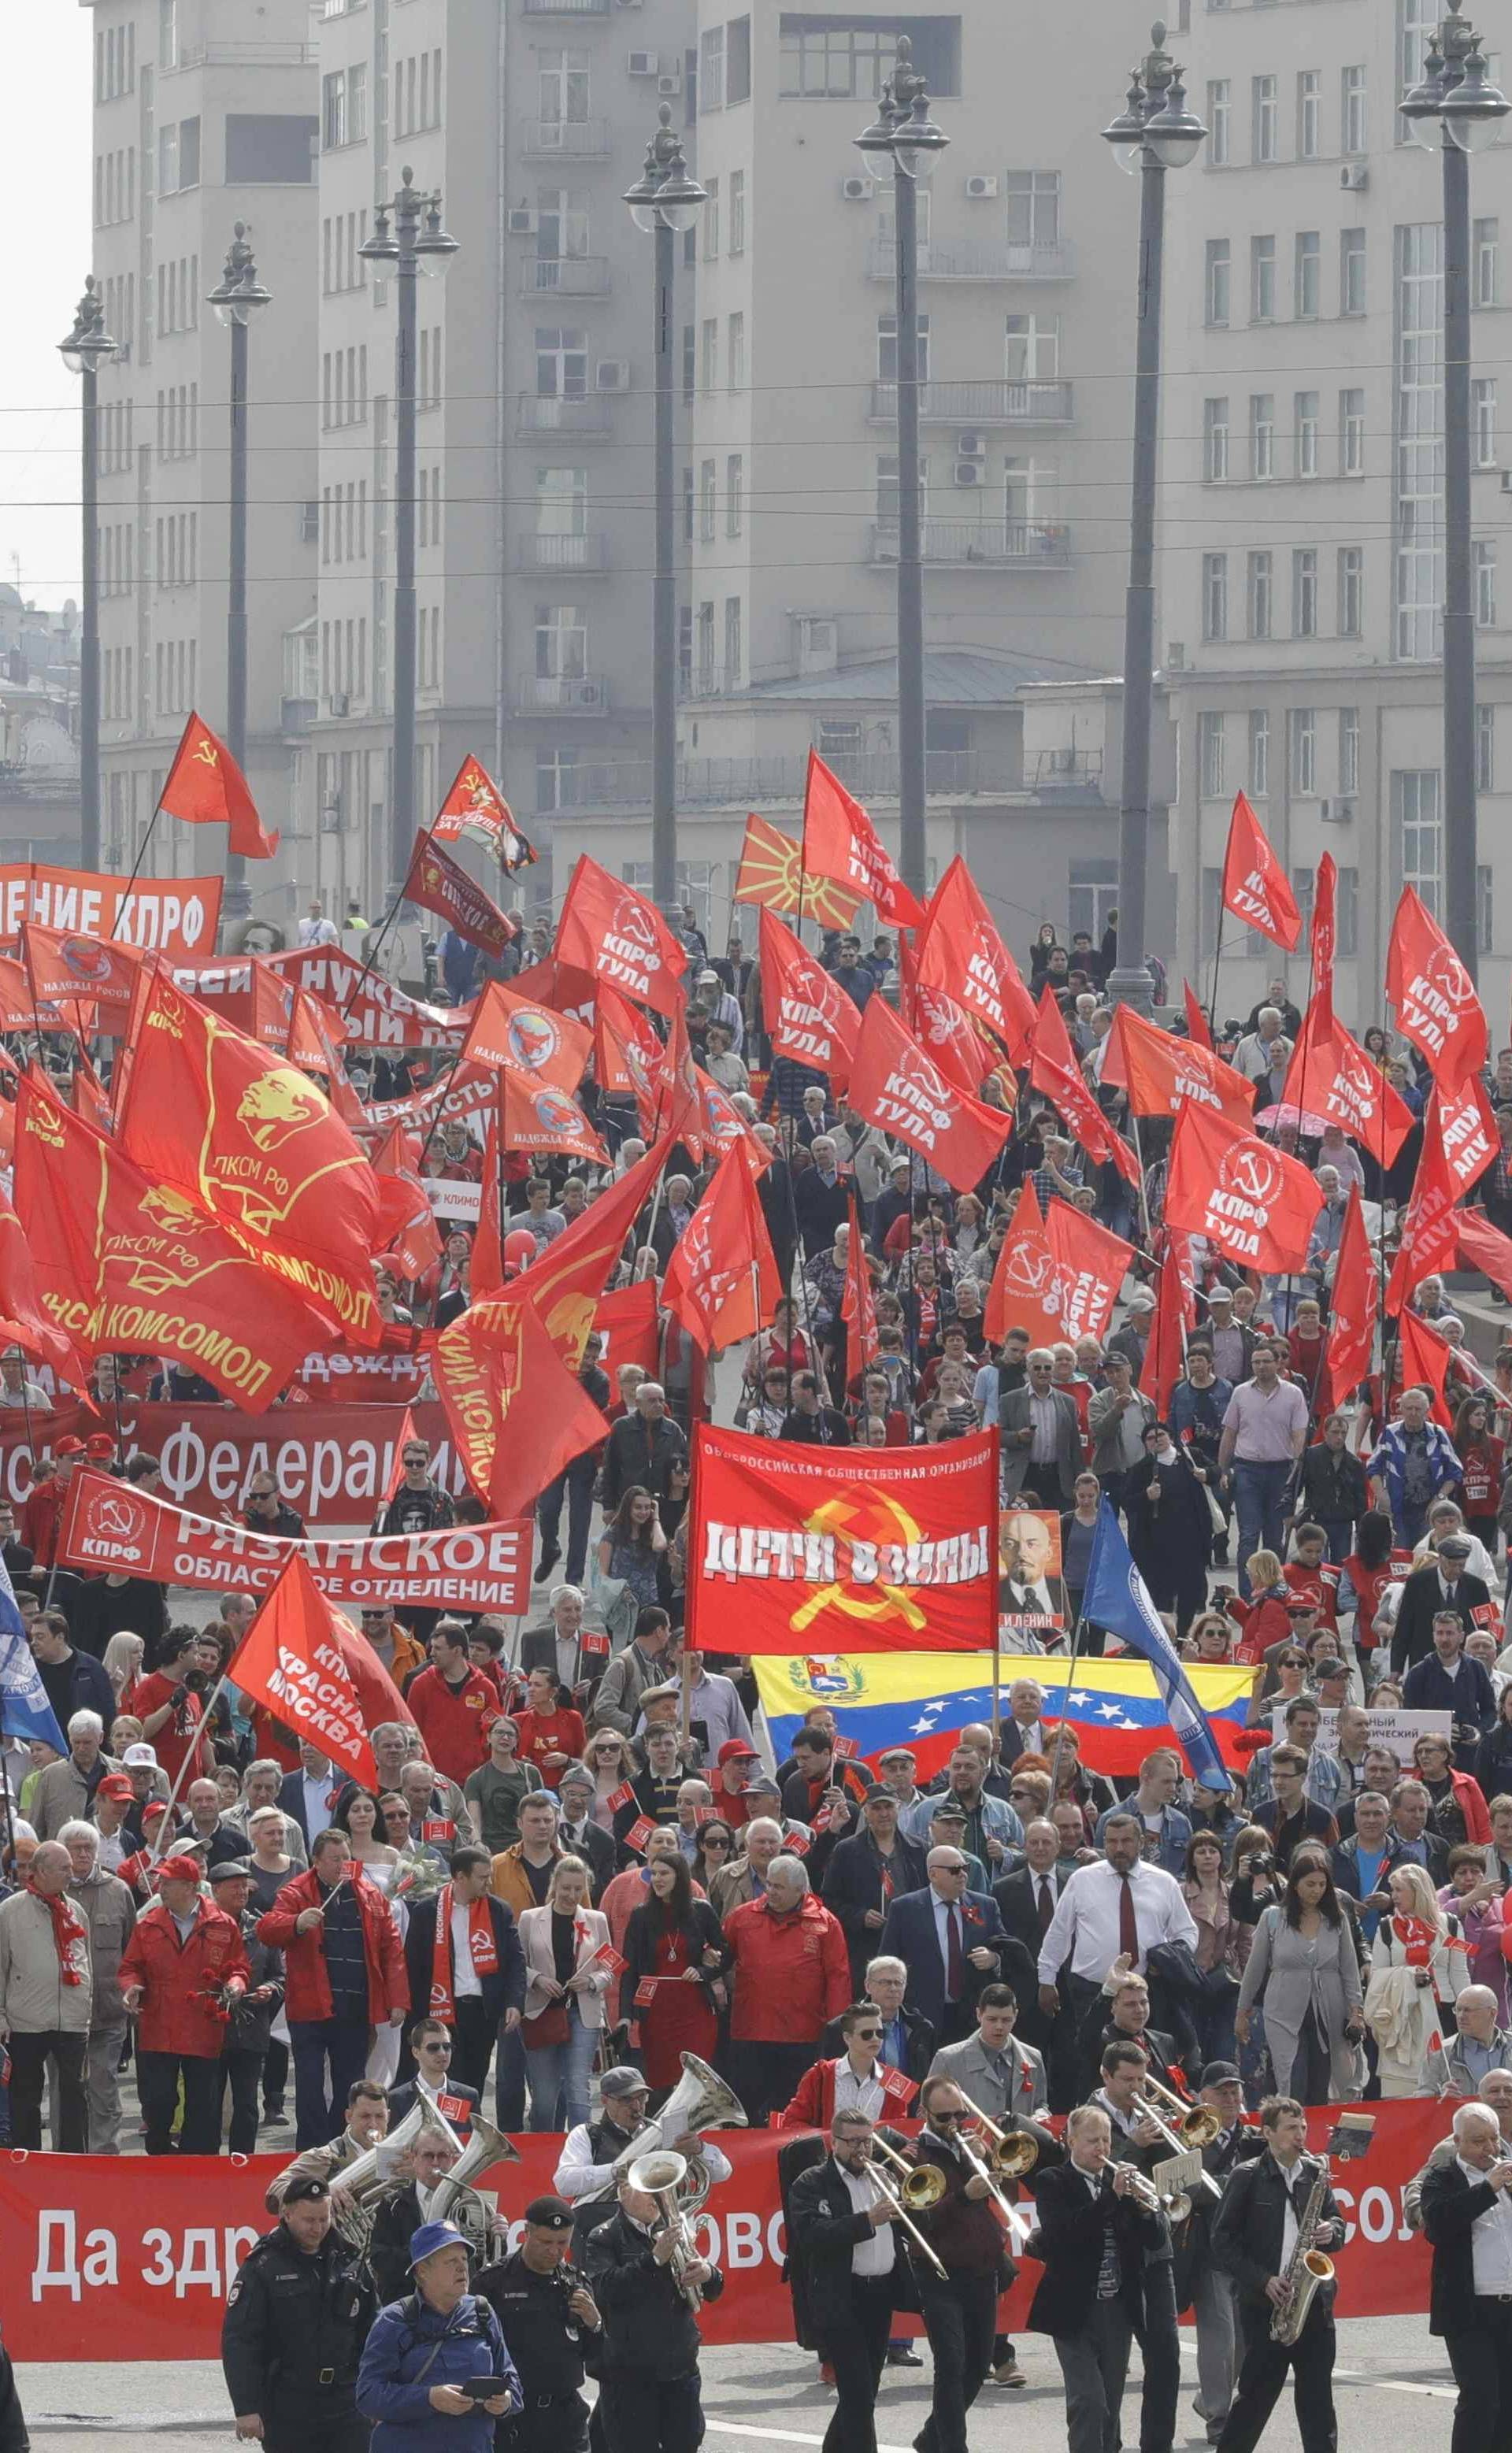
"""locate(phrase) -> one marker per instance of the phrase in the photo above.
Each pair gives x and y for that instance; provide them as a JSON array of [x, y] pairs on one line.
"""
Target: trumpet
[[1197, 2126], [895, 2198], [1176, 2207], [923, 2184], [1008, 2153]]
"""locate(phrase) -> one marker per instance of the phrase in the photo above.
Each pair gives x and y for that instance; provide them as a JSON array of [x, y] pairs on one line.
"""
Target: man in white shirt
[[1467, 2216], [717, 1713], [1120, 1908], [315, 930]]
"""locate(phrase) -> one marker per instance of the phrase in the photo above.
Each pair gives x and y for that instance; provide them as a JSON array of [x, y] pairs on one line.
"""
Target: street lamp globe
[[89, 343], [1422, 106], [1175, 134], [679, 199], [1126, 133], [1472, 112]]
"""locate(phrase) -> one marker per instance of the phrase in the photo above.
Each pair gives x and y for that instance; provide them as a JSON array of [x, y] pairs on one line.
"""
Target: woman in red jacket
[[793, 1976], [181, 1971], [344, 1976], [1481, 1459]]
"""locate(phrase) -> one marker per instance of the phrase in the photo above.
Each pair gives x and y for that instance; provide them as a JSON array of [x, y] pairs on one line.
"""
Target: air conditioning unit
[[612, 374], [583, 694], [856, 192], [971, 446], [669, 85], [982, 186], [969, 472], [340, 703], [310, 524], [523, 222], [644, 64], [1336, 813], [1354, 174], [1176, 655], [630, 4]]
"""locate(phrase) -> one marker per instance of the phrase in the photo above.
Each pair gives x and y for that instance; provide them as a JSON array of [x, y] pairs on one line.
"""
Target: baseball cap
[[947, 1812], [307, 2188], [430, 2237], [576, 1776], [1220, 2074], [736, 1750], [1219, 1294], [1141, 1302], [68, 1446], [99, 1444], [140, 1757], [617, 2084], [550, 2214], [117, 1784], [179, 1869], [230, 1869], [1301, 1606]]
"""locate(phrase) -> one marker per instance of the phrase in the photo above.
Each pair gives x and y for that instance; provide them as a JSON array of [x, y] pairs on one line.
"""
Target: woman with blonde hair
[[1420, 1963], [124, 1656], [611, 1760], [1264, 1619], [563, 2002]]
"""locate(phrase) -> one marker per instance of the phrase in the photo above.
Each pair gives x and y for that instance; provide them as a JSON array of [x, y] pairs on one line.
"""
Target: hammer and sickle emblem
[[207, 753], [834, 1517]]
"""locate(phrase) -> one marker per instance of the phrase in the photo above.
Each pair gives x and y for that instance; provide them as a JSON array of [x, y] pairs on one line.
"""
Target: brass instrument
[[700, 2101], [895, 2198], [357, 2186], [1008, 2153], [923, 2184], [1309, 2269], [1197, 2126], [981, 2170], [486, 2147], [664, 2176]]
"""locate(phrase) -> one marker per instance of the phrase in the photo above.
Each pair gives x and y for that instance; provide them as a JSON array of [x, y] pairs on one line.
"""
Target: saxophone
[[1309, 2268]]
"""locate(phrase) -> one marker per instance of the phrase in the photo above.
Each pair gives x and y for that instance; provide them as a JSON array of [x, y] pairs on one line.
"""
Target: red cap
[[99, 1444], [67, 1446], [180, 1870], [154, 1807], [736, 1750], [117, 1784]]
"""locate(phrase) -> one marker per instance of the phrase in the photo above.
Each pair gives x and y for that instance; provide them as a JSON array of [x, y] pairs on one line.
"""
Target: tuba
[[357, 2187], [486, 2147], [700, 2101]]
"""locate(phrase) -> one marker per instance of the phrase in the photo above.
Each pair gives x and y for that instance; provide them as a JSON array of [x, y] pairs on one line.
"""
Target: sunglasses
[[433, 2045], [716, 1841], [868, 2034], [939, 2119]]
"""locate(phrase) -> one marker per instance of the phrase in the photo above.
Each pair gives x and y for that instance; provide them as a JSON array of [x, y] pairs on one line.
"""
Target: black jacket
[[1251, 2225], [252, 2023], [649, 2331], [1097, 2030], [1450, 2205], [1072, 2223], [853, 1884], [597, 1851], [1420, 1598], [1017, 1896], [547, 2342], [919, 2049], [822, 2230], [1331, 1486], [641, 1457], [639, 1945], [394, 2226], [288, 2318], [402, 2100], [503, 1991]]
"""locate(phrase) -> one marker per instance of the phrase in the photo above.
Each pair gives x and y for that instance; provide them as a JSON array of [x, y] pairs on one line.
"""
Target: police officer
[[295, 2325], [551, 2326]]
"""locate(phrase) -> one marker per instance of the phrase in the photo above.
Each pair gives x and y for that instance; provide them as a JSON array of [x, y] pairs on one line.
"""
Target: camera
[[1264, 1862]]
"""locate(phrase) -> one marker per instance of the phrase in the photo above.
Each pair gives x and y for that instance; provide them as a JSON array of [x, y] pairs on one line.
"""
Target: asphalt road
[[1391, 2374]]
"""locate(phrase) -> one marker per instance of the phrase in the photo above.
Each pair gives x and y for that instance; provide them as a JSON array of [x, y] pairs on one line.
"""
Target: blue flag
[[1116, 1597], [24, 1711]]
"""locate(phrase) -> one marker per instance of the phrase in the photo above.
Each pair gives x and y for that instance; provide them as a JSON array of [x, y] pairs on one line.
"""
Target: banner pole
[[166, 1825], [1139, 1161]]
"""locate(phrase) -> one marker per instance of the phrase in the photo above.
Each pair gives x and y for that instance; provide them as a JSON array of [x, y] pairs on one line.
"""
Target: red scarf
[[1417, 1938], [480, 1937], [69, 1938]]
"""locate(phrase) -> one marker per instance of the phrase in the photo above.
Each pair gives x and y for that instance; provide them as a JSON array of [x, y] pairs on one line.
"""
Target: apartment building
[[203, 115], [1302, 570]]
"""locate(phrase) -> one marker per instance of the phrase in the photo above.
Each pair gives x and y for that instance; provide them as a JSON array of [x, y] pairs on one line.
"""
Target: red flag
[[440, 883], [958, 1044], [1434, 996], [725, 1127], [858, 1308], [205, 786], [896, 1086], [1255, 886], [1331, 1076], [1198, 1029], [613, 934], [1422, 1359], [23, 1318], [89, 1095], [1091, 1264], [627, 1055], [841, 842], [482, 1365], [809, 1017], [311, 1046], [566, 1280], [509, 1029], [630, 1323], [1162, 1074], [1323, 933], [771, 873], [537, 1117], [407, 1224], [65, 968], [292, 1661], [679, 1107], [1352, 1309], [1430, 1228], [1054, 1070], [485, 1270], [1253, 1202], [722, 1280], [1484, 1247], [1025, 1292], [959, 949], [474, 806], [1175, 1312], [1467, 1121]]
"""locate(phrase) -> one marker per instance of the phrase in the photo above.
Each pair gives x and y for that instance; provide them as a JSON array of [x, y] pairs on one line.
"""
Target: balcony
[[566, 8], [1019, 545], [559, 554], [982, 260], [751, 783], [708, 681], [537, 693], [564, 276], [553, 140], [584, 420], [1032, 403]]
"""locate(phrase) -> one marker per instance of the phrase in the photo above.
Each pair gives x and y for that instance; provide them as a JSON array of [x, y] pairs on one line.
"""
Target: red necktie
[[1047, 1905], [1128, 1932], [955, 1979]]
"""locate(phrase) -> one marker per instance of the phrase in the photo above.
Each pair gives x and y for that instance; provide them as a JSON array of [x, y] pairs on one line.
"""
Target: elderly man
[[951, 1939], [792, 1975], [1041, 1435], [183, 1967], [46, 2000], [68, 1788], [642, 1449], [1413, 1460], [557, 1643], [1024, 1730], [865, 1872], [745, 1879], [1121, 1909], [1255, 1055], [1264, 1432], [1481, 2045], [1118, 1416], [642, 1664], [1465, 2212], [1445, 1680], [109, 1912]]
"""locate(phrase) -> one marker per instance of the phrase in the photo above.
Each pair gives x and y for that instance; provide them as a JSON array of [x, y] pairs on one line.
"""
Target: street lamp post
[[903, 129], [1154, 132], [665, 202], [236, 300], [406, 234], [1456, 90], [83, 353]]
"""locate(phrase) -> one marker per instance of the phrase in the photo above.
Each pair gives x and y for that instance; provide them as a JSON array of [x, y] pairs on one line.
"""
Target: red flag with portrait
[[567, 1282]]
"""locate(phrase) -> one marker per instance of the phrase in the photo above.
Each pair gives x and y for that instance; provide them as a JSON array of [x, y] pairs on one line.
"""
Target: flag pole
[[389, 919], [151, 829], [1139, 1161]]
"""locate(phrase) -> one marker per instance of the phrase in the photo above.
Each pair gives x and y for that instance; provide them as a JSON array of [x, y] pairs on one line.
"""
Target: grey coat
[[111, 1911], [968, 2064], [1015, 1415], [1286, 1975]]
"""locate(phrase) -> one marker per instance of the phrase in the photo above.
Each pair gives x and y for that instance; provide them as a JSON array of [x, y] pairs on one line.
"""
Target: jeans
[[559, 2071], [960, 2317], [1260, 1493], [320, 2111], [1340, 1534], [1214, 2022], [509, 2084], [576, 1483]]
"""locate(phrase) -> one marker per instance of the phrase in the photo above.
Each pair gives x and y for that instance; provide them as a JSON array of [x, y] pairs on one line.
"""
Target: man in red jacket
[[452, 1703], [180, 1972], [343, 1975], [793, 1976]]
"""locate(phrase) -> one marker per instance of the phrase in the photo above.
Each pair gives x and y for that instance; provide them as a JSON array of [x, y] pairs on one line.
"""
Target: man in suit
[[1027, 1903], [1022, 1733], [1445, 1679], [1004, 2080], [951, 1942], [1254, 2237], [966, 2235], [1465, 2212], [309, 1796], [1041, 1435], [463, 1956], [1444, 1584], [431, 2048], [557, 1644], [865, 1873], [843, 2256], [1097, 2241]]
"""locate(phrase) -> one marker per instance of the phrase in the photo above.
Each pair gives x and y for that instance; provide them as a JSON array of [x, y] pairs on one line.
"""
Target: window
[[1348, 752], [1031, 347], [707, 489], [1215, 595], [1484, 552], [561, 508], [1419, 19], [1091, 896], [1305, 430], [1307, 276], [1351, 433], [1034, 209], [271, 149], [1351, 111], [840, 59], [167, 34], [1482, 909], [417, 93], [1305, 592], [1264, 118], [562, 88], [1216, 282], [1419, 507], [887, 496], [427, 370], [344, 107], [1262, 280], [734, 494], [887, 349], [1219, 112], [689, 365], [1483, 262], [1483, 408], [178, 160], [1302, 726], [733, 626], [710, 221], [709, 353], [555, 781], [711, 69], [1351, 591], [1351, 272], [737, 212], [737, 62], [561, 643], [1215, 441], [1417, 831], [1309, 114], [737, 354], [1262, 435], [342, 263], [1485, 750], [1211, 761], [1258, 582], [1260, 752], [560, 364], [706, 647]]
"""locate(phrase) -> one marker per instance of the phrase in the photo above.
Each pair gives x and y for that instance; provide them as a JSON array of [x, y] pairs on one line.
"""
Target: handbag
[[548, 2026]]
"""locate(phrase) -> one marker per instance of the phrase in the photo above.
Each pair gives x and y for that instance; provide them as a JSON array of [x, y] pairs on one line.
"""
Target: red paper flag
[[1255, 886], [292, 1661], [809, 1017], [482, 1365], [1025, 1292], [1352, 1309], [1091, 1264], [771, 873], [1422, 1359], [1253, 1202], [841, 842], [722, 1280], [615, 934], [205, 786], [961, 951], [1198, 1029], [896, 1086], [1331, 1076], [1162, 1074], [1434, 996], [440, 883], [1174, 1313], [510, 1030], [858, 1308]]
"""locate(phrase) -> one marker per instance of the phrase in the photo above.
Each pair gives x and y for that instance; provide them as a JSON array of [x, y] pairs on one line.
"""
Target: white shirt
[[1034, 1741], [853, 2094], [1491, 2237], [111, 1851], [577, 2175], [317, 1803], [1298, 2183], [1085, 1928], [465, 1984], [944, 1910], [875, 2254]]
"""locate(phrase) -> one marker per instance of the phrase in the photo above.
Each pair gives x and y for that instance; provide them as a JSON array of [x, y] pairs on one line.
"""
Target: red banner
[[1162, 1074], [165, 915], [1255, 885], [108, 1526], [897, 1085], [440, 885], [244, 991], [151, 2268], [375, 1012], [509, 1031], [1434, 996], [1253, 1202], [805, 1546], [810, 1017]]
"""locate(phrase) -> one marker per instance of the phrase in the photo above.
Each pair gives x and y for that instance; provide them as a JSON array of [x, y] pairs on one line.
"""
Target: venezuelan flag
[[922, 1699]]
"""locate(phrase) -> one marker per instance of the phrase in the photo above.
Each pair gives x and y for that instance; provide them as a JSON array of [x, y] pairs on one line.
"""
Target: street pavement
[[1391, 2374]]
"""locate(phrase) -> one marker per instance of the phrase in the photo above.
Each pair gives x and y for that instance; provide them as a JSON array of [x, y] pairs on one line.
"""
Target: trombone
[[922, 2186], [1198, 2124], [1008, 2153], [895, 2198]]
